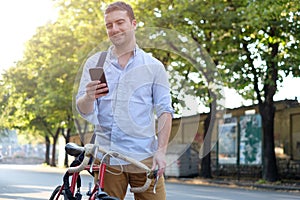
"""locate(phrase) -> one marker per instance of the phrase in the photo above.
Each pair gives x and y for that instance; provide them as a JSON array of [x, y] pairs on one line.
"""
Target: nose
[[114, 29]]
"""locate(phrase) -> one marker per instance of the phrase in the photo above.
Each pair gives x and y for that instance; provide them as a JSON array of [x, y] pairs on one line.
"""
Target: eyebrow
[[118, 20]]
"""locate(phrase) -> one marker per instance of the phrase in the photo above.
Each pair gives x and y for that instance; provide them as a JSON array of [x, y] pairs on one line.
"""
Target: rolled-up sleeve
[[161, 93]]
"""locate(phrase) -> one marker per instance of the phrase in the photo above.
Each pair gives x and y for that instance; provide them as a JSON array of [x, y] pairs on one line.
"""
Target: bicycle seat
[[74, 149]]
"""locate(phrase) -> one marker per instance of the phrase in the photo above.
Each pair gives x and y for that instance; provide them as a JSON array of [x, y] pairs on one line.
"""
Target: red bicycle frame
[[99, 186]]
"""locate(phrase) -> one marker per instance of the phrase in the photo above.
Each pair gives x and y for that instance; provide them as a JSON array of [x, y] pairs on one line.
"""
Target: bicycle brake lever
[[156, 177], [155, 184], [92, 164]]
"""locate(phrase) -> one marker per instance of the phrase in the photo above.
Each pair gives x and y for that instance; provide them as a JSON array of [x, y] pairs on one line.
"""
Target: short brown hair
[[120, 5]]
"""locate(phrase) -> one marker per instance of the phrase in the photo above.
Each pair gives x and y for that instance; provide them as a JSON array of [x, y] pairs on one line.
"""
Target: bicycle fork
[[98, 190]]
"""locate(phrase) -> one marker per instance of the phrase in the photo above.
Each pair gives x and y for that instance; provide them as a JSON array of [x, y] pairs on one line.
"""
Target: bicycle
[[85, 160]]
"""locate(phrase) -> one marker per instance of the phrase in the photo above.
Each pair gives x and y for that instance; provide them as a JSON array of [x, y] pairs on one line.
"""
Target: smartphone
[[97, 73]]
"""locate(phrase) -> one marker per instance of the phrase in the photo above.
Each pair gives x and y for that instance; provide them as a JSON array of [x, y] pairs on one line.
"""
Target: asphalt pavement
[[282, 185]]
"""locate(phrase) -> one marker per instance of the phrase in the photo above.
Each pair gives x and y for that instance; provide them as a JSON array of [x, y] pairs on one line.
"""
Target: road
[[33, 182]]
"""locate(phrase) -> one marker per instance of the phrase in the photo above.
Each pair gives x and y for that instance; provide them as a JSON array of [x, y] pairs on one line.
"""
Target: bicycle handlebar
[[90, 149]]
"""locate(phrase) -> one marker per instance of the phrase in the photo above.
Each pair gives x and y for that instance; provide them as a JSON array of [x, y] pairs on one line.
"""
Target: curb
[[292, 187]]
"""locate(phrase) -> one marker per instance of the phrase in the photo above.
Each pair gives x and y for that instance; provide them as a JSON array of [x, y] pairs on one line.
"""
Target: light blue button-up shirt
[[124, 119]]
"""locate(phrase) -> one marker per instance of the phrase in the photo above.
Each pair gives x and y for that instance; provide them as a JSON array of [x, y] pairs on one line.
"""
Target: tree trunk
[[53, 160], [205, 163], [269, 171], [67, 138], [208, 131], [47, 153], [267, 111]]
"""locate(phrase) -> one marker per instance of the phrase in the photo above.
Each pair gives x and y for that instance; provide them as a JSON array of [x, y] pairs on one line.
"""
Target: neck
[[124, 54], [125, 49]]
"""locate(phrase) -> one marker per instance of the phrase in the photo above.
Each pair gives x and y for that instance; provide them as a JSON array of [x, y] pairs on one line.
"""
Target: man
[[124, 117]]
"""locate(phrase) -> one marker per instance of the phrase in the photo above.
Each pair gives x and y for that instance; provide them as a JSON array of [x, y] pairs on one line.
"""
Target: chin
[[117, 43], [119, 40]]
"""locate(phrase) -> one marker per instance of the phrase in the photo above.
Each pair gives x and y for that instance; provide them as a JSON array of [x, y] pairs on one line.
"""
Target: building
[[233, 152]]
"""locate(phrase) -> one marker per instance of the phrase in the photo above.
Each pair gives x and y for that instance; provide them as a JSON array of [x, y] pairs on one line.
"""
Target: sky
[[20, 18], [18, 21]]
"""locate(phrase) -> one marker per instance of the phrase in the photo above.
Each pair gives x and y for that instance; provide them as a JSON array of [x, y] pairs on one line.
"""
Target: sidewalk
[[284, 185]]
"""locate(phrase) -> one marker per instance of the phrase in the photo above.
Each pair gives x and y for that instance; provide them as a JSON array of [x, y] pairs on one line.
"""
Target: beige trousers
[[116, 183]]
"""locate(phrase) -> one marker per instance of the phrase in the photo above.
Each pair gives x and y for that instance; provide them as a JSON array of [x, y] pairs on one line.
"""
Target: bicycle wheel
[[109, 198], [105, 196], [55, 194]]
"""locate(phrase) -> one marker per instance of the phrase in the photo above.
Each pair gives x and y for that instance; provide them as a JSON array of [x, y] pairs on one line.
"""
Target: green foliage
[[192, 70], [38, 90], [240, 36], [249, 45], [269, 43]]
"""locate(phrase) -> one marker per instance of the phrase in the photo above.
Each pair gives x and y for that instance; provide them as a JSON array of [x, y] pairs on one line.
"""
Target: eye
[[120, 22], [108, 26]]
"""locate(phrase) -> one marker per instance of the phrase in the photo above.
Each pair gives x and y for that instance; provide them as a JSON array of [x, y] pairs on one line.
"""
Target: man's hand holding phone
[[96, 89], [98, 86]]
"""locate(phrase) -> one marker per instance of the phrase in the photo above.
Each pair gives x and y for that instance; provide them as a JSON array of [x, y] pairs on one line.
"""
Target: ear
[[134, 24]]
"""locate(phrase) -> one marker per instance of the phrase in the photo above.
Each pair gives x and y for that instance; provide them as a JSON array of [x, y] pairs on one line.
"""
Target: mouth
[[118, 35]]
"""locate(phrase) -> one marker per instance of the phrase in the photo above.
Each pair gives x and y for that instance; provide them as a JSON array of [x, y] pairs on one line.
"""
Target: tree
[[51, 61], [84, 19], [195, 21], [238, 35], [268, 36]]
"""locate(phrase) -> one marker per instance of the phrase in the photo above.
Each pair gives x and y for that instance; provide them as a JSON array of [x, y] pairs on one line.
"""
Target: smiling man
[[124, 117]]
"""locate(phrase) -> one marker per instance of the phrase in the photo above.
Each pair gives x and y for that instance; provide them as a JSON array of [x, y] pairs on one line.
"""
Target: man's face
[[119, 28]]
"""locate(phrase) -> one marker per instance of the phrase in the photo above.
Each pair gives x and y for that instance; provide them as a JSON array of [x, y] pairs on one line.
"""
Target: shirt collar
[[113, 56]]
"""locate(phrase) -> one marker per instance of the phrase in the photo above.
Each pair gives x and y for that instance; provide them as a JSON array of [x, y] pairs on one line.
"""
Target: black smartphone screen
[[97, 74]]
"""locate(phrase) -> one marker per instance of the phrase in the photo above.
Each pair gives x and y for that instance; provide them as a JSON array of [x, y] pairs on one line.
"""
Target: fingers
[[96, 89], [153, 165], [160, 165], [161, 172], [100, 89]]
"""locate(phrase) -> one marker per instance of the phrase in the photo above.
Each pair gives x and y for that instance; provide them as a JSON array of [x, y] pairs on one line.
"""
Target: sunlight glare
[[18, 21]]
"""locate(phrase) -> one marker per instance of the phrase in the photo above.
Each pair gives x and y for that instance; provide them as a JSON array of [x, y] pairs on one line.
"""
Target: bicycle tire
[[55, 193], [105, 196], [108, 198]]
